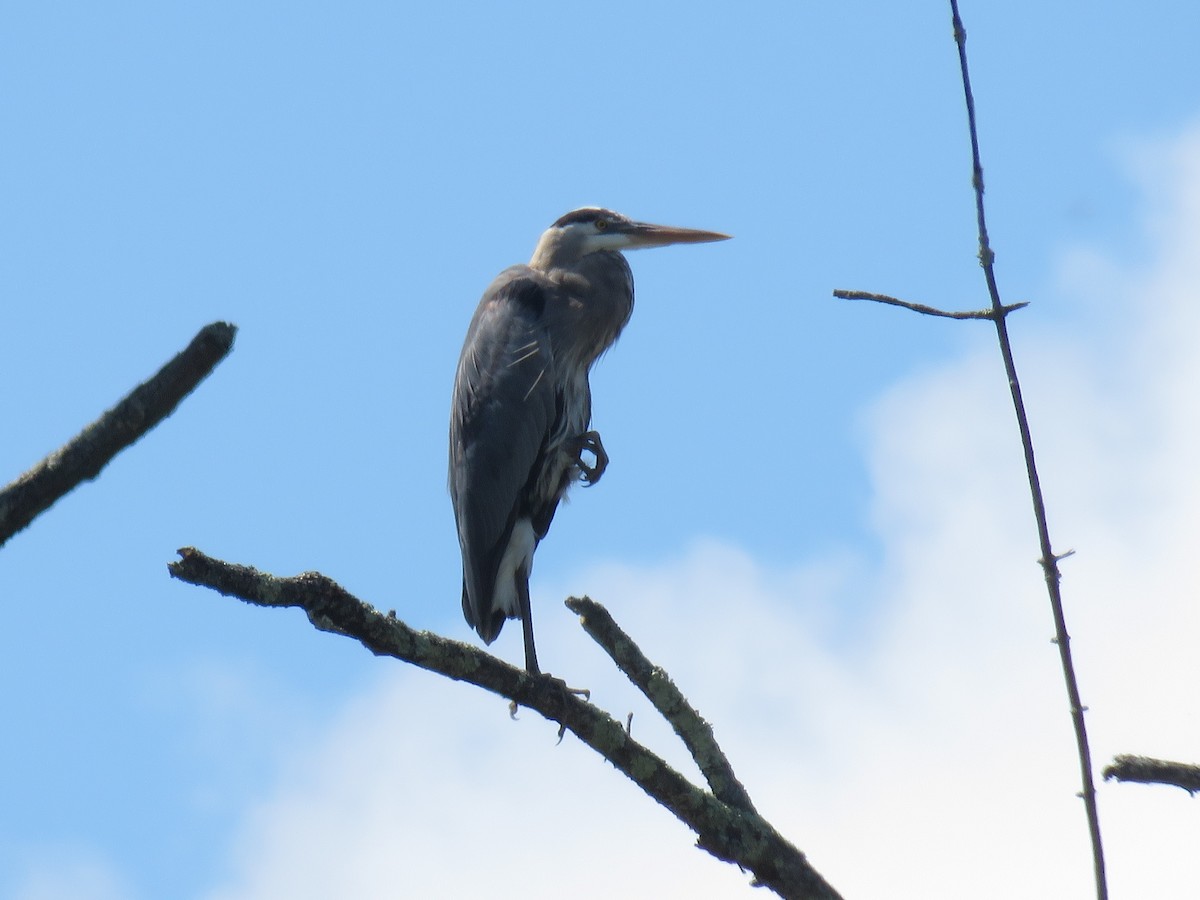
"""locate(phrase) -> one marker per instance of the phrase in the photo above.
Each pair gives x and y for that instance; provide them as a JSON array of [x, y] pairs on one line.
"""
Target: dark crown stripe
[[583, 216]]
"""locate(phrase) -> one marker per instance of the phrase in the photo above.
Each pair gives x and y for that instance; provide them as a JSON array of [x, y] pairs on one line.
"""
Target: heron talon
[[564, 689], [561, 684], [589, 442]]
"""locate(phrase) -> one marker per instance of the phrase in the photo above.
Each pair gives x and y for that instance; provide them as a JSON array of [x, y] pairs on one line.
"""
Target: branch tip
[[1147, 770], [85, 456]]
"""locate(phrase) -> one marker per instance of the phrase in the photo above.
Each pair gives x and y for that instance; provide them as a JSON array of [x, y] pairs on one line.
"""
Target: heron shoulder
[[506, 342], [521, 285]]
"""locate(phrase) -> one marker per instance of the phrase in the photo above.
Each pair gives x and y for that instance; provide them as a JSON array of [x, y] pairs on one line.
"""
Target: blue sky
[[342, 181]]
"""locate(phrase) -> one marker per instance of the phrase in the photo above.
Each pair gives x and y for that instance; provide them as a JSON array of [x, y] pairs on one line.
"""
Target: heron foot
[[559, 685], [589, 442]]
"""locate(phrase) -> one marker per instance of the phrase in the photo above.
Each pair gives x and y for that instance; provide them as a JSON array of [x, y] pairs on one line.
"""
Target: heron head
[[592, 229]]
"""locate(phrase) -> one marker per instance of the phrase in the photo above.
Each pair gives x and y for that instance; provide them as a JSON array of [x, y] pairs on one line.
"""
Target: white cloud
[[928, 756], [69, 873]]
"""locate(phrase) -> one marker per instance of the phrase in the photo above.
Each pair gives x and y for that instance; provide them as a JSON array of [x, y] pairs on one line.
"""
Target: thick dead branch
[[927, 310], [732, 834], [660, 690], [1147, 770], [90, 451]]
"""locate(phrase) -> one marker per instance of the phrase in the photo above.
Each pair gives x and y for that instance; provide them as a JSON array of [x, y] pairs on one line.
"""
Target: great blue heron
[[519, 422]]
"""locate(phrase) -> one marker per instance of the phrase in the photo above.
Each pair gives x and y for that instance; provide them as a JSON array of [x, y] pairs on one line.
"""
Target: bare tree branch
[[733, 834], [1048, 560], [660, 690], [998, 314], [90, 451], [927, 310], [1147, 770]]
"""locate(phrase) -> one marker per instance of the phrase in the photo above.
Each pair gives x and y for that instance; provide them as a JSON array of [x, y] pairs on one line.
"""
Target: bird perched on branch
[[521, 414]]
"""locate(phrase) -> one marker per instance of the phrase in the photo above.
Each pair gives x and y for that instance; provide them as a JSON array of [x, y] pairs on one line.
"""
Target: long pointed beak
[[643, 234]]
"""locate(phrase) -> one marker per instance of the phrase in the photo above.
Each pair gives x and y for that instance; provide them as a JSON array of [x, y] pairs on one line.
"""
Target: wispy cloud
[[68, 873]]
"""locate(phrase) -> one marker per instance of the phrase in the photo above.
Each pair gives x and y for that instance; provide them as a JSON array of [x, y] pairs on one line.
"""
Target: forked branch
[[660, 690], [729, 830]]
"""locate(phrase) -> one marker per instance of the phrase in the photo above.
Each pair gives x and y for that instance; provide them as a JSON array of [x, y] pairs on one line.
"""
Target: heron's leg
[[589, 442], [531, 663], [525, 608]]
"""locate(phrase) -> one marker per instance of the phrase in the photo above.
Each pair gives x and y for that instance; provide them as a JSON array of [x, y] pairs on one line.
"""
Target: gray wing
[[503, 410]]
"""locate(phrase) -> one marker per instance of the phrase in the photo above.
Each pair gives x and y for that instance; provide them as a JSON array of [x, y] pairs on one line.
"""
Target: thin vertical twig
[[1048, 561]]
